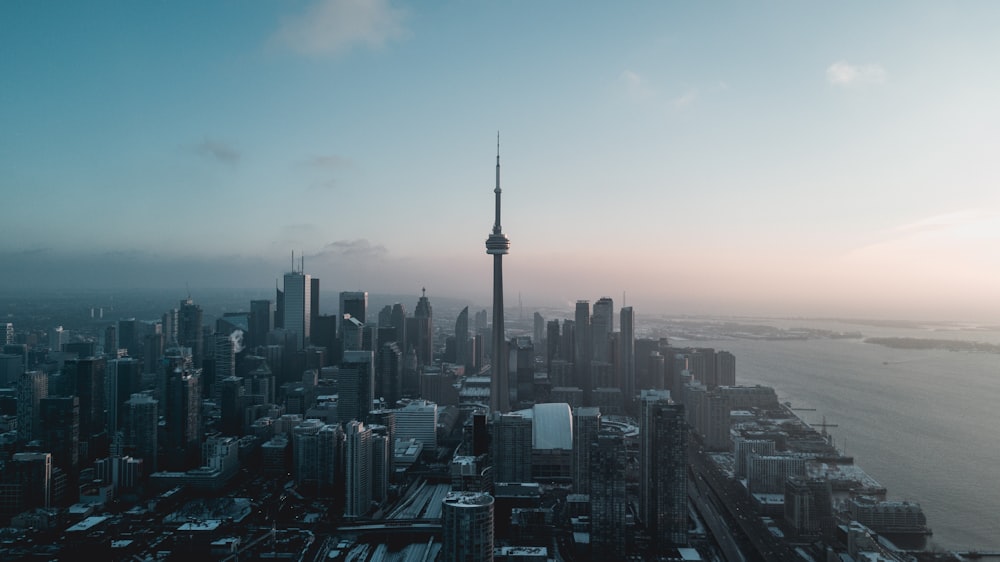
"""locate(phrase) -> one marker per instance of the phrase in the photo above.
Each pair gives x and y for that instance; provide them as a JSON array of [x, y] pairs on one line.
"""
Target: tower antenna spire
[[496, 224]]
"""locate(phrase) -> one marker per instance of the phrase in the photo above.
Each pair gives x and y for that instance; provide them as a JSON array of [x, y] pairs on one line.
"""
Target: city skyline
[[774, 159]]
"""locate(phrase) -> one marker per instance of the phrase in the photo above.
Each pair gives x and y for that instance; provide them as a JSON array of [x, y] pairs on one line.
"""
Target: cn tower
[[497, 245]]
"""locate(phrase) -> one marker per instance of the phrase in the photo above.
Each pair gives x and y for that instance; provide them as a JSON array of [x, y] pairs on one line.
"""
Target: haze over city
[[771, 158]]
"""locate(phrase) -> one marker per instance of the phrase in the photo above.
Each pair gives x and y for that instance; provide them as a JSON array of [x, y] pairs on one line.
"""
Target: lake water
[[925, 423]]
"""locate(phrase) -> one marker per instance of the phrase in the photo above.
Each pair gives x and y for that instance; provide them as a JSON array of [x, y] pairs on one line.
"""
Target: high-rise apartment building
[[608, 461], [663, 436], [586, 426], [357, 465], [467, 527], [510, 447]]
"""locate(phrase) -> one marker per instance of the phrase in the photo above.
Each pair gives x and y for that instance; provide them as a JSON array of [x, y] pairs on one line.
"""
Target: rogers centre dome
[[551, 426]]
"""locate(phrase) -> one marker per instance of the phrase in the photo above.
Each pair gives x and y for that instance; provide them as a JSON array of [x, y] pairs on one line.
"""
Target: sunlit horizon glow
[[776, 159]]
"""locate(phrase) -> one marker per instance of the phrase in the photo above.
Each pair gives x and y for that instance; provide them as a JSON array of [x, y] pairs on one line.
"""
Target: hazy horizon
[[734, 159]]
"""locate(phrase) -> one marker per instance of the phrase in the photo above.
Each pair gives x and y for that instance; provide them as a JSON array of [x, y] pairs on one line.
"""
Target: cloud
[[842, 73], [943, 222], [636, 88], [685, 99], [332, 27], [220, 151], [356, 249]]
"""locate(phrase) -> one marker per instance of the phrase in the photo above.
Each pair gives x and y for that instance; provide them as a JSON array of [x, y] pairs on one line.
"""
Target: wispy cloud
[[635, 86], [332, 27], [843, 73], [219, 151], [685, 99], [942, 222], [359, 248]]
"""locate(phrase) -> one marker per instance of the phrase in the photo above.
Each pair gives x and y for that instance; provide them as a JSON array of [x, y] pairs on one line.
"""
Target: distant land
[[930, 343]]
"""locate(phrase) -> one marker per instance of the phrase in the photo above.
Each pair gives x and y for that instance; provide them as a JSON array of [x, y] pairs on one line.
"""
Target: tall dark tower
[[497, 245]]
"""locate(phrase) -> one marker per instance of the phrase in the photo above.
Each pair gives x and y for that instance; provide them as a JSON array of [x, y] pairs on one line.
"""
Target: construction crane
[[825, 425]]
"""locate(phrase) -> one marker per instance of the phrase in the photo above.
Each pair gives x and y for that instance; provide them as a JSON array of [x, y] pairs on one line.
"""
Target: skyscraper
[[354, 303], [586, 426], [59, 431], [462, 338], [497, 245], [389, 373], [298, 302], [357, 464], [608, 461], [85, 378], [31, 388], [140, 429], [628, 355], [261, 322], [422, 334], [356, 386], [602, 324], [663, 443], [124, 378], [190, 330], [583, 353], [183, 414]]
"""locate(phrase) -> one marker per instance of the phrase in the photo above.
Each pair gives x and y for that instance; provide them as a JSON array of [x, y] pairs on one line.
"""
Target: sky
[[781, 158]]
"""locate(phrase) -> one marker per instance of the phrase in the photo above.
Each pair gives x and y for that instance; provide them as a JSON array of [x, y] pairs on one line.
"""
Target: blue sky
[[766, 157]]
